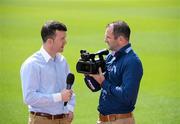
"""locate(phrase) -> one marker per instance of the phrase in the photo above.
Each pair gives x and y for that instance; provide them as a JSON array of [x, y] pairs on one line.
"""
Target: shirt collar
[[45, 54], [124, 50]]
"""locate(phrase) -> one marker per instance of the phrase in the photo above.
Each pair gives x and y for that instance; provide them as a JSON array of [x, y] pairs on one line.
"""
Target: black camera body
[[88, 64]]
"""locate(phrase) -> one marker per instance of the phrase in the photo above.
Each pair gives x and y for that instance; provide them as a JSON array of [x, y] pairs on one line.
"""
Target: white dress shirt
[[43, 78]]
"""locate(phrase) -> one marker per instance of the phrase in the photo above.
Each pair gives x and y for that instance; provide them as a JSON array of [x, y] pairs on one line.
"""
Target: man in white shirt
[[43, 77]]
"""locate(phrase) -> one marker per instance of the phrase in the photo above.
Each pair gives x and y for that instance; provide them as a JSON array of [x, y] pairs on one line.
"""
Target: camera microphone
[[103, 52], [69, 81]]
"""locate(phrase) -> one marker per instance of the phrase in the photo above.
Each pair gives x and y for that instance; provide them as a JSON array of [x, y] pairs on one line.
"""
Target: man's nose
[[105, 40], [65, 41]]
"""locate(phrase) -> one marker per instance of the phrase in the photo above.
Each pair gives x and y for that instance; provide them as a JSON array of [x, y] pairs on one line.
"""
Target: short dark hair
[[120, 28], [48, 30]]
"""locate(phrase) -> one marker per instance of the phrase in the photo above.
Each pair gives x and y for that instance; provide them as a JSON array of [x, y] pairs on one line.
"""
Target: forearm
[[40, 99]]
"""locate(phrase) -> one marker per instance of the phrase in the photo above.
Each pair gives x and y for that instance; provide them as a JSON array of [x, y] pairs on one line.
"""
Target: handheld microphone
[[69, 81]]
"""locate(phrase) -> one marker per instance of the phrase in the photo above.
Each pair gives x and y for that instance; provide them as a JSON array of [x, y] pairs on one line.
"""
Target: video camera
[[88, 64]]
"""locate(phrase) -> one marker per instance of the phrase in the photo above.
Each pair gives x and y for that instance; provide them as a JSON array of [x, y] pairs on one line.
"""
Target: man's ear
[[121, 39], [49, 41]]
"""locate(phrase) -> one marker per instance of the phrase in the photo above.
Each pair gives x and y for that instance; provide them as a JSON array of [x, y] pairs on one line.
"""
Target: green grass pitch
[[155, 37]]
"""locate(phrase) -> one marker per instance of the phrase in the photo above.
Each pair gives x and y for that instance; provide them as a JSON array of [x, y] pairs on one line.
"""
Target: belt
[[113, 117], [49, 116]]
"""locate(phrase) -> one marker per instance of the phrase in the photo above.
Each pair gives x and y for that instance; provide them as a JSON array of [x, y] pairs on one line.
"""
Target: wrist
[[102, 83]]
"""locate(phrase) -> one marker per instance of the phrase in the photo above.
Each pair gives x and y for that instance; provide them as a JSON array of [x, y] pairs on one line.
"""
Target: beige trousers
[[120, 121], [33, 119]]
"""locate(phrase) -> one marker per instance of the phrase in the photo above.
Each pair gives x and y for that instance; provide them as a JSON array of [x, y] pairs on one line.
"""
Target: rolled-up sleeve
[[71, 103]]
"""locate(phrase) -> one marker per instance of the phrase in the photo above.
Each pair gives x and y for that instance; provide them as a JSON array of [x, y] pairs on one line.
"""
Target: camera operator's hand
[[98, 77], [66, 95]]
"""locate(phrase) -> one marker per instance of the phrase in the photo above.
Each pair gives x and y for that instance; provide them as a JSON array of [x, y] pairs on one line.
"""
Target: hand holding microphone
[[67, 93]]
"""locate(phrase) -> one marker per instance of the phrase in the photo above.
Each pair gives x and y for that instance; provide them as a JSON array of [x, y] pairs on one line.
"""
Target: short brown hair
[[49, 28], [120, 28]]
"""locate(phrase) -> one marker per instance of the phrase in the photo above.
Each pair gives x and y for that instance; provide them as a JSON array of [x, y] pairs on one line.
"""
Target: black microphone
[[69, 81]]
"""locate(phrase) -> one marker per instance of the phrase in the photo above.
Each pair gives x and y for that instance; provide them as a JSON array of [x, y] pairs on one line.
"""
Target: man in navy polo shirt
[[120, 83]]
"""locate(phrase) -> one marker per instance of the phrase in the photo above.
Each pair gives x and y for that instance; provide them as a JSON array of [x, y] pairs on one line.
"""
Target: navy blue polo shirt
[[122, 79]]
